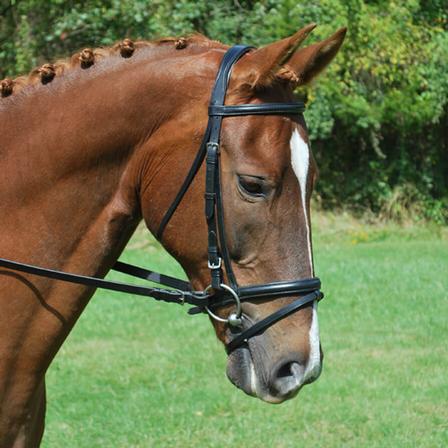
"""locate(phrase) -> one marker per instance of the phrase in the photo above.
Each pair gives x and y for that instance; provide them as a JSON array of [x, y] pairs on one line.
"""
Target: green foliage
[[378, 117]]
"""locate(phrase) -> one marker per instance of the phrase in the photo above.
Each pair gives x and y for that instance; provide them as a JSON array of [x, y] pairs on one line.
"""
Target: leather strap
[[263, 291], [218, 96], [273, 318], [214, 254], [197, 162], [257, 109], [151, 276], [179, 295], [279, 289], [232, 55], [217, 248]]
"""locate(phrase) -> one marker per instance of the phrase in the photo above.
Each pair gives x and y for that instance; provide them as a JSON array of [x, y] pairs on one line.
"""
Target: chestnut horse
[[92, 145]]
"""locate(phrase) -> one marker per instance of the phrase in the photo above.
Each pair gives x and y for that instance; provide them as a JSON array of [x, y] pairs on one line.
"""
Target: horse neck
[[82, 159], [74, 157]]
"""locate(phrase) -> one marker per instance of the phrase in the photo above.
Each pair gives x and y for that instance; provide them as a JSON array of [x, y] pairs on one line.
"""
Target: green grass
[[137, 373]]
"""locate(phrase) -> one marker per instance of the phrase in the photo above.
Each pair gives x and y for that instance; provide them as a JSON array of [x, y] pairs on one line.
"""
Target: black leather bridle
[[219, 293]]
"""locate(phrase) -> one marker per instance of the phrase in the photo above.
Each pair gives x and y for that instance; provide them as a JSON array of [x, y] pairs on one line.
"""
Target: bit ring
[[234, 319]]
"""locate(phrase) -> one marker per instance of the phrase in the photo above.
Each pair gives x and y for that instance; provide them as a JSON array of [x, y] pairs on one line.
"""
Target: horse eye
[[254, 186]]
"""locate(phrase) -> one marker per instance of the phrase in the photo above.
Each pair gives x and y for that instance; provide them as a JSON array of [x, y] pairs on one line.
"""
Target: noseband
[[218, 293]]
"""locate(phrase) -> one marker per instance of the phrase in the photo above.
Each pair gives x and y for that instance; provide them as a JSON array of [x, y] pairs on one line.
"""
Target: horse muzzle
[[253, 369]]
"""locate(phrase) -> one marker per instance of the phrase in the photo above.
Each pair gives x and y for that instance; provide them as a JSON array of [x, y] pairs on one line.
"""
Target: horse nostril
[[288, 378]]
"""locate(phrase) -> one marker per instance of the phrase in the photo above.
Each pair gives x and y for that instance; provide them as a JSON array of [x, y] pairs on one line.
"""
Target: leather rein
[[219, 293]]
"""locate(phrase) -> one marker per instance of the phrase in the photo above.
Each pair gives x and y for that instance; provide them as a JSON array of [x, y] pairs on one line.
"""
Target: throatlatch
[[218, 293]]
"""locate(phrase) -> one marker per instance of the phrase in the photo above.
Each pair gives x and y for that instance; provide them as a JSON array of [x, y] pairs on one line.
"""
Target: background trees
[[378, 117]]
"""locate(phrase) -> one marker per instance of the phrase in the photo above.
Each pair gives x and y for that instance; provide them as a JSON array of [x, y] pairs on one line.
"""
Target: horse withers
[[93, 145]]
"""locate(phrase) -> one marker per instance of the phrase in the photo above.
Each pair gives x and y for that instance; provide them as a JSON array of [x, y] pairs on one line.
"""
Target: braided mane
[[88, 57]]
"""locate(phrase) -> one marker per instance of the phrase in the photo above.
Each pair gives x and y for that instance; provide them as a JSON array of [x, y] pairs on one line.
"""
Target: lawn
[[137, 373]]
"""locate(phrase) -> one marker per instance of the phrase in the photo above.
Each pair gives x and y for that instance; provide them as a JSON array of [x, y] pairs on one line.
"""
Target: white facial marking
[[300, 160], [313, 367], [253, 378]]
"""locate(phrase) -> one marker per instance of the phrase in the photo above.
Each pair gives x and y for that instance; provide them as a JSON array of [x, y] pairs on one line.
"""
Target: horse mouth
[[244, 373], [251, 369], [241, 371]]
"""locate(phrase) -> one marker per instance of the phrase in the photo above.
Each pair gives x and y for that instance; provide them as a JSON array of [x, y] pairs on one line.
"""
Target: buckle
[[211, 265], [212, 145], [182, 297]]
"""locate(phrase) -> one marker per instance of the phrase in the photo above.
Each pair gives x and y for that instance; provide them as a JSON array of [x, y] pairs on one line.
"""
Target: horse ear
[[308, 62], [258, 69]]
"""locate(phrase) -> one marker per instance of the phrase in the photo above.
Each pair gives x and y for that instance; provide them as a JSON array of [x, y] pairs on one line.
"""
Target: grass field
[[140, 374]]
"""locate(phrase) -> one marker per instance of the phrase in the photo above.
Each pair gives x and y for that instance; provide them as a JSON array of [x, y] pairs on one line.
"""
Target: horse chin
[[241, 372]]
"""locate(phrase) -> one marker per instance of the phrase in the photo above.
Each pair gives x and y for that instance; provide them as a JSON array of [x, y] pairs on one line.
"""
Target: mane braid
[[87, 57]]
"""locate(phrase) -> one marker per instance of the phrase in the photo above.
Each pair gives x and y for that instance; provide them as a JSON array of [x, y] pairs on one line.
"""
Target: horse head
[[267, 173]]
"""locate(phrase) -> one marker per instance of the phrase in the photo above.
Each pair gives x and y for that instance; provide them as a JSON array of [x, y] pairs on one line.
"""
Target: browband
[[257, 109]]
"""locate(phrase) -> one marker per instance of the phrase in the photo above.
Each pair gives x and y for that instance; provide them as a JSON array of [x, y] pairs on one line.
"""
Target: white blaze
[[253, 378], [300, 161], [313, 366]]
